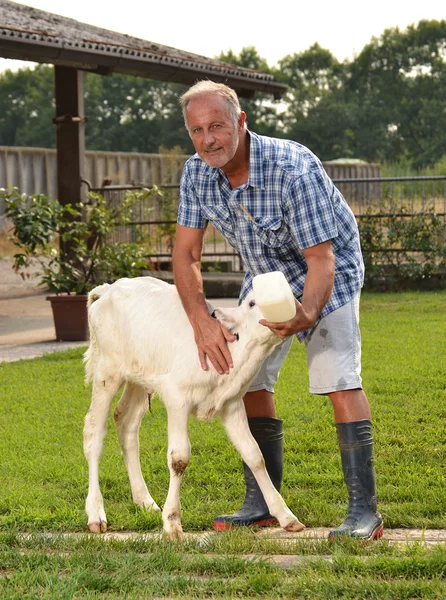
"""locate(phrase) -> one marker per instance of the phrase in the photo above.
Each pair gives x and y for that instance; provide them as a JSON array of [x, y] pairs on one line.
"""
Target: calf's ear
[[210, 307]]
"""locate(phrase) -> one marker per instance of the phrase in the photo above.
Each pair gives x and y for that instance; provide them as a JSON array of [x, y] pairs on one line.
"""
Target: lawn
[[230, 565], [43, 478]]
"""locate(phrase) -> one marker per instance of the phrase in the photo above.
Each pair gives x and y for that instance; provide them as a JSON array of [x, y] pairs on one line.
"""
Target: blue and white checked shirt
[[293, 204]]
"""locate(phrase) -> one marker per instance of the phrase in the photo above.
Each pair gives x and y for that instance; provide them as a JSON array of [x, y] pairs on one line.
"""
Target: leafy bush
[[70, 243], [398, 243]]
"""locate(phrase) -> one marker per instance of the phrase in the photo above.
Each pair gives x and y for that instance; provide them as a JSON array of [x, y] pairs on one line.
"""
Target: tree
[[262, 112], [387, 104], [125, 113], [317, 113], [27, 107], [399, 80], [133, 114]]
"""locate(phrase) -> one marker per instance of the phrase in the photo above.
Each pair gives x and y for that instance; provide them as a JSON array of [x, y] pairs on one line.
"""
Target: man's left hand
[[300, 322]]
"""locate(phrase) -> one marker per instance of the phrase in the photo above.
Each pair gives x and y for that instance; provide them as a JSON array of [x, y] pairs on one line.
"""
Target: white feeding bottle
[[274, 297]]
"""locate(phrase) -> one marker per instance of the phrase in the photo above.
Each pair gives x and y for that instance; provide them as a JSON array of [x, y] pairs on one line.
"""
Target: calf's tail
[[91, 354], [96, 293]]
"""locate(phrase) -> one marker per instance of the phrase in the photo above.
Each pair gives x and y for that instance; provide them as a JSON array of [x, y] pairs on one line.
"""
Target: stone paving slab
[[426, 537], [396, 537]]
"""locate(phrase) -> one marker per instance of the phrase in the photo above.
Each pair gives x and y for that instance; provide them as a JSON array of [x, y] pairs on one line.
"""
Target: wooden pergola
[[30, 34]]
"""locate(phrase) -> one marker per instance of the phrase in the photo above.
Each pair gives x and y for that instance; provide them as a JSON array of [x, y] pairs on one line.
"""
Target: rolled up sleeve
[[189, 213]]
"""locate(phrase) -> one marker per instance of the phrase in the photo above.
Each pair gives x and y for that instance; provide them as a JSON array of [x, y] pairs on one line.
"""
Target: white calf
[[140, 335]]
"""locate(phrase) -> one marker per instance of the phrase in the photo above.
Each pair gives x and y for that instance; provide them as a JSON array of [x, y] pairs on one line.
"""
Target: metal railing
[[415, 194], [407, 196]]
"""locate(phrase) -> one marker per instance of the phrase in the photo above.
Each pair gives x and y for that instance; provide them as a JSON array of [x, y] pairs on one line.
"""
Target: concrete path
[[26, 320], [284, 558], [425, 537]]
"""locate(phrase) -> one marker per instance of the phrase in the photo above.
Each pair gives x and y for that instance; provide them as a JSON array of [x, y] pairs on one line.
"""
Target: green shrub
[[69, 244], [399, 243]]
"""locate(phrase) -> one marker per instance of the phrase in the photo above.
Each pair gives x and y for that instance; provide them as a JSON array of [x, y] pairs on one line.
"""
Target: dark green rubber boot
[[356, 445], [268, 433]]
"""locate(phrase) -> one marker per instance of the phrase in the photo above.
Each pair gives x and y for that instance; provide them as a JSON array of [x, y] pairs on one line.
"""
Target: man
[[272, 200]]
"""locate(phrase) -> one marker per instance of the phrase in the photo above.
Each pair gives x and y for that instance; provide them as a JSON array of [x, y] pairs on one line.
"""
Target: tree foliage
[[27, 108], [387, 104], [399, 81], [261, 110], [315, 103], [133, 114]]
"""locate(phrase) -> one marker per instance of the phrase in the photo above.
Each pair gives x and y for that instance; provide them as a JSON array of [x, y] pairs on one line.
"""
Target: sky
[[276, 28]]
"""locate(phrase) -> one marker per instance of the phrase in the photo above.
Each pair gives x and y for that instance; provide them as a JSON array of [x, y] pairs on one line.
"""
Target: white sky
[[276, 28]]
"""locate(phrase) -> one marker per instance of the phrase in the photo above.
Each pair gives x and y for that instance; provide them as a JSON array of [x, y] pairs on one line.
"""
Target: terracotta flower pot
[[70, 317]]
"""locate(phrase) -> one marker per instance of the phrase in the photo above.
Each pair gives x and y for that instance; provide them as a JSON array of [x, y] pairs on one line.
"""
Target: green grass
[[43, 478], [44, 473], [233, 565]]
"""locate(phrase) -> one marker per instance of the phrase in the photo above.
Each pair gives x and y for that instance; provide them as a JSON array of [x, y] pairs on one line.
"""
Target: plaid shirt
[[288, 204]]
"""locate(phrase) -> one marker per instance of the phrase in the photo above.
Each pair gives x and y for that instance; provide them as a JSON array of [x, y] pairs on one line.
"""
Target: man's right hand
[[211, 336], [212, 340]]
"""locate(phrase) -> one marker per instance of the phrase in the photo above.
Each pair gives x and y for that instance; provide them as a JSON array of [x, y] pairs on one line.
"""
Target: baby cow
[[140, 335]]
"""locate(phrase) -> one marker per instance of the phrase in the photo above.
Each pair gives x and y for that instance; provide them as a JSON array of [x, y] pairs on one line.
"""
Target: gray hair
[[218, 89]]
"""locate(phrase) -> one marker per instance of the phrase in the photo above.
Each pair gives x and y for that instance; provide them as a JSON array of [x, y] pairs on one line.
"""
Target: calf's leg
[[254, 512], [236, 424], [95, 429], [128, 416], [178, 455]]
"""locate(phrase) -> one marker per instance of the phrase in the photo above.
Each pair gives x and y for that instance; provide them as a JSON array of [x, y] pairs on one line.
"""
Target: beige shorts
[[333, 354], [268, 375]]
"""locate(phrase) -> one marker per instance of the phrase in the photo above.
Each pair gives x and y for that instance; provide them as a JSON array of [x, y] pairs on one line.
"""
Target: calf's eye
[[252, 303]]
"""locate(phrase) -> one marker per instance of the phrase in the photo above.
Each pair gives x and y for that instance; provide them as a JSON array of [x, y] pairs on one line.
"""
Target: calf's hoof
[[294, 526], [149, 506], [172, 526], [146, 502], [100, 527], [174, 535]]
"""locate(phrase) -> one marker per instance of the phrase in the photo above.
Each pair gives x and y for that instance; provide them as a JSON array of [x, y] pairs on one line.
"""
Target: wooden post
[[70, 138]]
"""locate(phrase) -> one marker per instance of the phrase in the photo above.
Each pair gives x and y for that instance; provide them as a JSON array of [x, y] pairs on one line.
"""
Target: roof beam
[[31, 34]]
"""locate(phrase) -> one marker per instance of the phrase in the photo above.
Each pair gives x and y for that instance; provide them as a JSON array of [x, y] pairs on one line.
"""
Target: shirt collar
[[256, 173]]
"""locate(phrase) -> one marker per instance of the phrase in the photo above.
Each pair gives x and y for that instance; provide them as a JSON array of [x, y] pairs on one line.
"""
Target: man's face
[[212, 129]]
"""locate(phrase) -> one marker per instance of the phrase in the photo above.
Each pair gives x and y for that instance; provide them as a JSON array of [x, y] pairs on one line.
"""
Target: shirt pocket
[[272, 231], [220, 217], [276, 240]]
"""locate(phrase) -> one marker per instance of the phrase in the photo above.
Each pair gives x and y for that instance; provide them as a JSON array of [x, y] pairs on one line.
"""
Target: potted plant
[[70, 246]]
